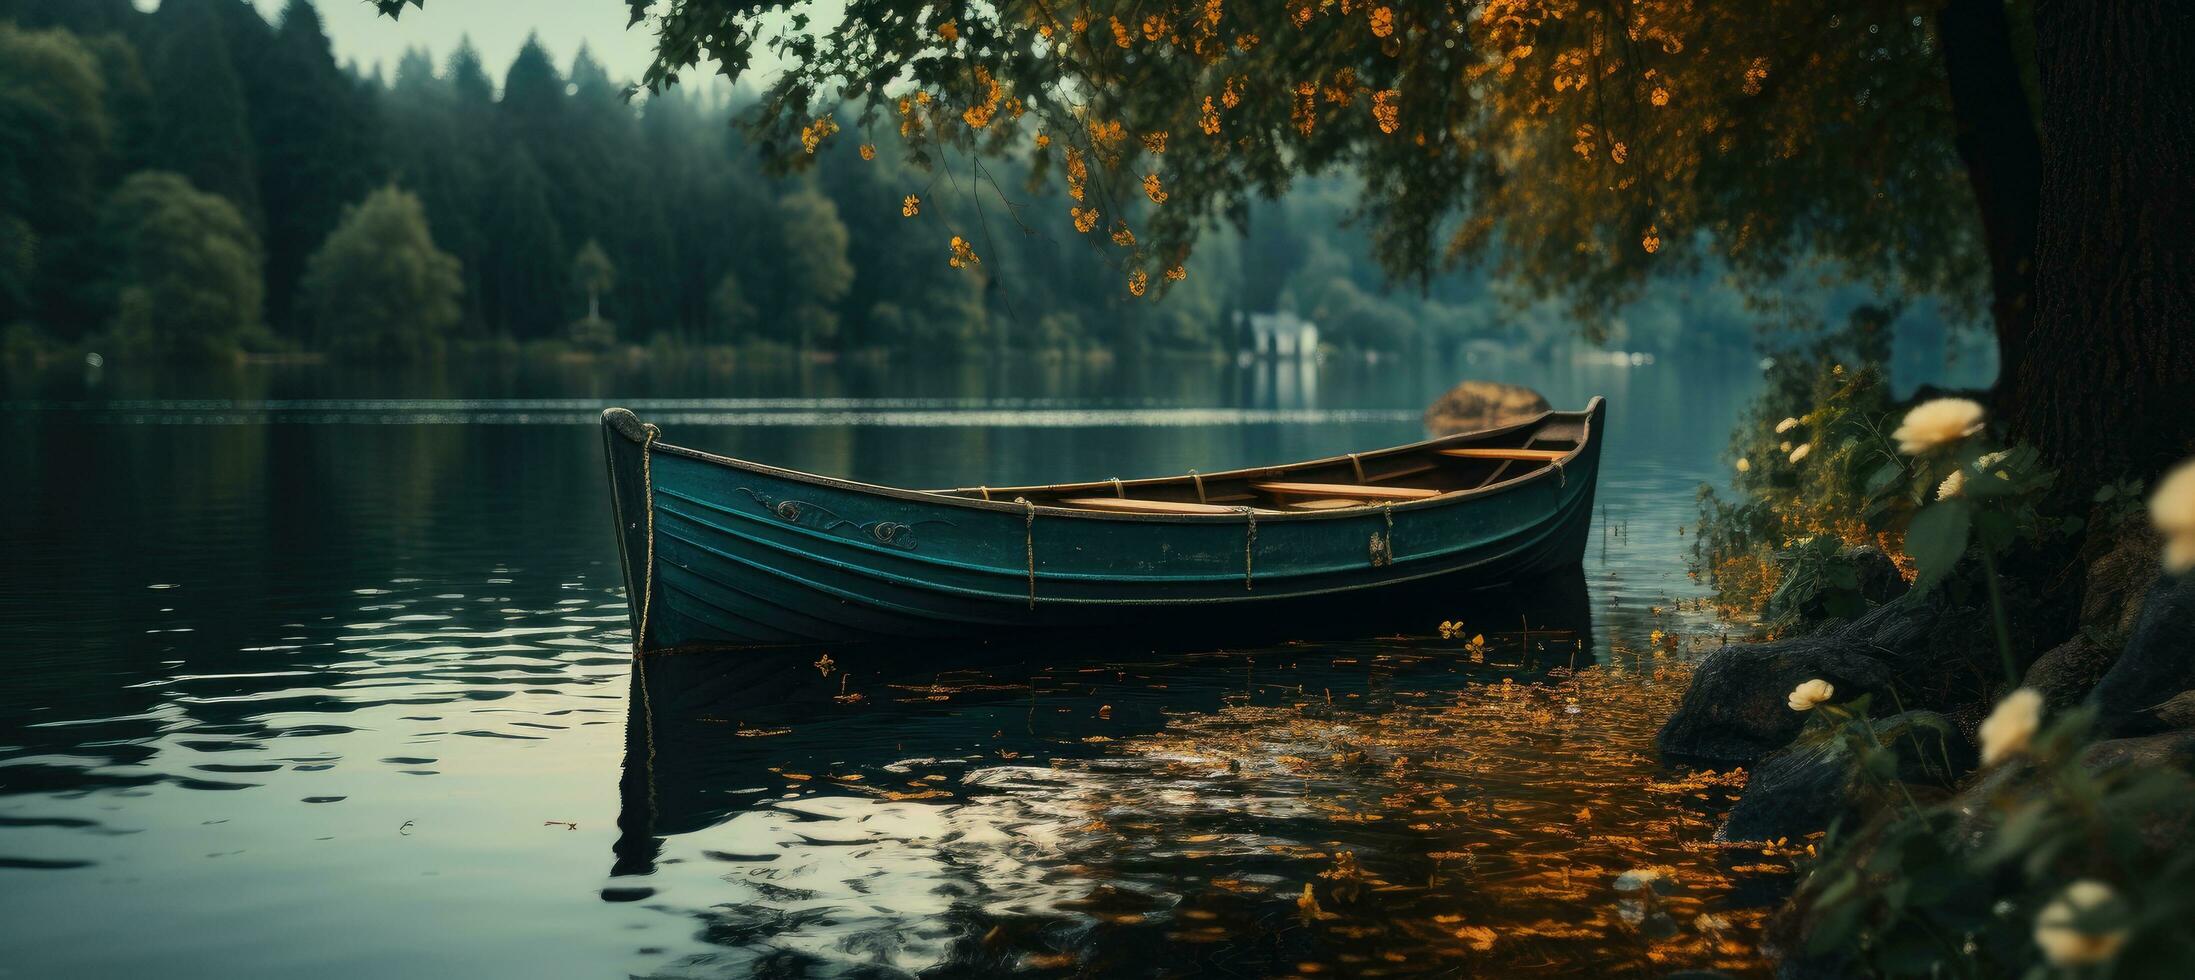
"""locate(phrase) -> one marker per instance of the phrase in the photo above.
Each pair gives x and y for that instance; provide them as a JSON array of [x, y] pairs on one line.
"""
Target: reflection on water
[[1379, 807], [310, 682]]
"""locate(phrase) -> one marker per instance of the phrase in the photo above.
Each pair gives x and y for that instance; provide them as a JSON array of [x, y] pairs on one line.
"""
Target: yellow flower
[[1043, 140], [964, 255], [1176, 273], [1384, 110], [1805, 696], [1800, 453], [2009, 728], [1383, 21], [868, 151], [1651, 241], [910, 206], [1085, 218], [1153, 189], [1660, 97], [813, 134], [1937, 423], [1155, 142], [2172, 509], [1786, 426], [1137, 282], [2065, 939], [1744, 465], [1952, 485], [1122, 236]]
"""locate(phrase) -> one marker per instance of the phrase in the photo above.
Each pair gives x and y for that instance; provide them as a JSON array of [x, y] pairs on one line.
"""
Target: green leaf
[[1937, 539], [1995, 529], [1884, 477]]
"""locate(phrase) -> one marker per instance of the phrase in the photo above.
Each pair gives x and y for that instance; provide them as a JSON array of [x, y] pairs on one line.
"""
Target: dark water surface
[[314, 672]]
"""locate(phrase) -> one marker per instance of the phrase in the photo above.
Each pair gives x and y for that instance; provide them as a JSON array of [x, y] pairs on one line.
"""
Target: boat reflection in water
[[1410, 803]]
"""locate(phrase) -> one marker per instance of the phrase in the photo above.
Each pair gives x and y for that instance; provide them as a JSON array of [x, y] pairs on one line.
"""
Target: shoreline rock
[[1482, 405]]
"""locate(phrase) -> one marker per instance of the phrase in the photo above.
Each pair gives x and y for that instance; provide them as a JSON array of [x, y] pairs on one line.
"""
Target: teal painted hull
[[725, 553]]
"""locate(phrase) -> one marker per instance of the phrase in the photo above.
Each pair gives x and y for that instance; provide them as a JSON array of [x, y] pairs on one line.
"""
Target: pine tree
[[318, 149], [525, 253], [201, 127]]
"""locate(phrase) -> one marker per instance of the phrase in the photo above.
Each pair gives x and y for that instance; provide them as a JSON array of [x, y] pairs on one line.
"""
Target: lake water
[[315, 672]]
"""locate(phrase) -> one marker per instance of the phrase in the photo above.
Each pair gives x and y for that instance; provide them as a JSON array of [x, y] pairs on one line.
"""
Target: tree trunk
[[1996, 140], [2105, 380]]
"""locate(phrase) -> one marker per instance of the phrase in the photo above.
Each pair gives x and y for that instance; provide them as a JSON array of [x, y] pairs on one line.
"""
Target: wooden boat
[[728, 553]]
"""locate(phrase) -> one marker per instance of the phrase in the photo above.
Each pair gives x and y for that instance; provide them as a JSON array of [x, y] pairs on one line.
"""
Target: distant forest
[[196, 181]]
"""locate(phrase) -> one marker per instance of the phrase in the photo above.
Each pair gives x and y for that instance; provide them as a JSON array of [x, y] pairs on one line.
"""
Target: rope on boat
[[1249, 545], [1117, 491], [1359, 464], [1199, 481], [647, 571], [1387, 544], [647, 592], [985, 491], [1029, 543]]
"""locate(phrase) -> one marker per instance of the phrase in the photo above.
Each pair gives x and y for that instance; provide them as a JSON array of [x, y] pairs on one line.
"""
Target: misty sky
[[498, 28]]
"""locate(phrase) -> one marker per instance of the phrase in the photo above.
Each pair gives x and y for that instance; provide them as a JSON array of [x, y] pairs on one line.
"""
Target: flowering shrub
[[1809, 463], [2048, 865]]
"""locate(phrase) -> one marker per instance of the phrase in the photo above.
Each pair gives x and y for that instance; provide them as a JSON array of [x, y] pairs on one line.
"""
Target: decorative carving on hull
[[890, 534]]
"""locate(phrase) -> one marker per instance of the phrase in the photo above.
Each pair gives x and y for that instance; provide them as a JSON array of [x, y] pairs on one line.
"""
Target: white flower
[[1936, 423], [2012, 725], [1805, 696], [1800, 453], [1952, 485], [1786, 426], [2060, 933], [1744, 464], [2172, 509], [2179, 553]]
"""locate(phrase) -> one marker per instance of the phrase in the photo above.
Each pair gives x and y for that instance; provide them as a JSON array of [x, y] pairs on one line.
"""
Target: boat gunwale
[[628, 425]]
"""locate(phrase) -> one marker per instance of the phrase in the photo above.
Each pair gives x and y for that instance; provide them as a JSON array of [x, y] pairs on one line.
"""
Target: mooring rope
[[647, 571], [1029, 543], [1117, 491], [1249, 546], [1359, 464], [647, 592], [985, 491], [1199, 481], [1388, 509]]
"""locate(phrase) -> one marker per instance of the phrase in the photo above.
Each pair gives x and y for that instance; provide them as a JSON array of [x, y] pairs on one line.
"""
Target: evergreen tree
[[379, 287], [201, 128], [525, 253], [317, 140]]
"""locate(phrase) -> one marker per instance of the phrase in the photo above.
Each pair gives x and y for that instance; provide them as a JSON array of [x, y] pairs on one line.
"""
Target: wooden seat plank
[[1536, 455], [1131, 505], [1341, 503], [1350, 490]]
